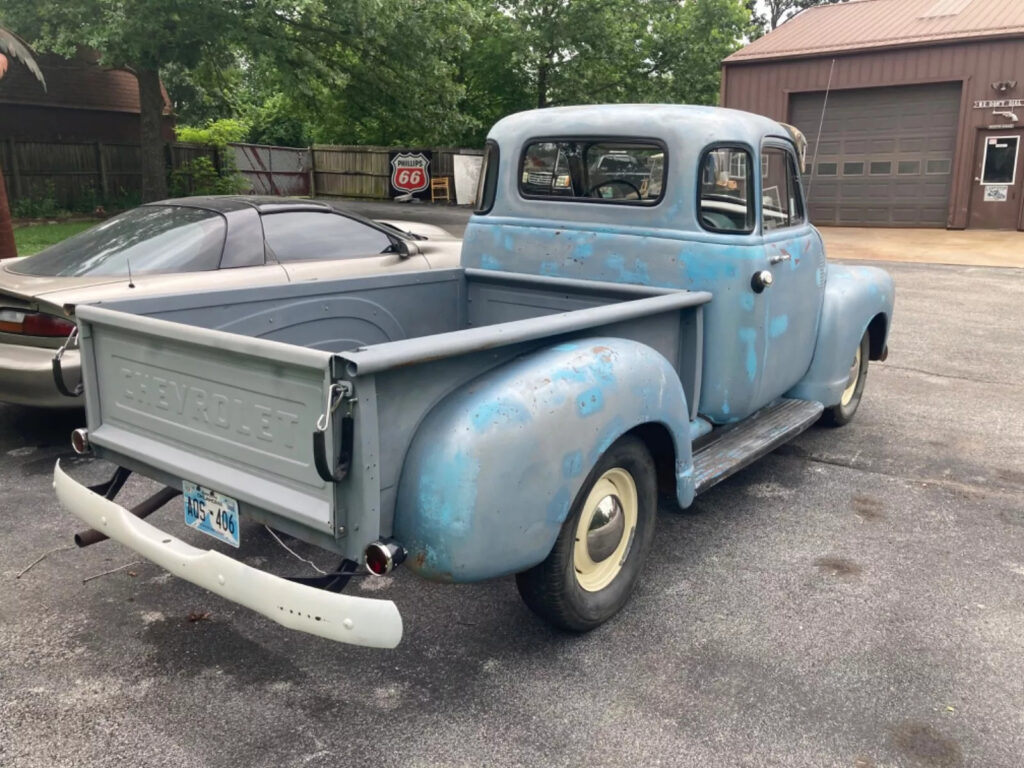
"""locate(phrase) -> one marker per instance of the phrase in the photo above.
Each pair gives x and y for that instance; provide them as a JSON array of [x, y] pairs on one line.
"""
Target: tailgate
[[229, 412]]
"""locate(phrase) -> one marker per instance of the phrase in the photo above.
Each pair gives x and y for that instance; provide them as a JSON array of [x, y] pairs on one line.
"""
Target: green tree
[[149, 37], [779, 11], [12, 47], [625, 50]]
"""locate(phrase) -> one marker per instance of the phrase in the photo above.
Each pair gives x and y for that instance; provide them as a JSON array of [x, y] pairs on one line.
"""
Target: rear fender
[[495, 466], [855, 298]]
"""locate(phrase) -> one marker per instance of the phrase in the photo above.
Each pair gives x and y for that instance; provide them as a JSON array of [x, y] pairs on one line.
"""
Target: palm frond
[[14, 47]]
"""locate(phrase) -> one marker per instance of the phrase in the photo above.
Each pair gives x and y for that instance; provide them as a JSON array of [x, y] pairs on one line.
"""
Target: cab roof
[[671, 123]]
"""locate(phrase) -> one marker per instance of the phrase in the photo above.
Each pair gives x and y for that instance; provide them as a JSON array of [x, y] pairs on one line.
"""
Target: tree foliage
[[779, 11], [395, 71]]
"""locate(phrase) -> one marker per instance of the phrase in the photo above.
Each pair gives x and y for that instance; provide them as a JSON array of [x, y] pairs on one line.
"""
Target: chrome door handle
[[779, 258]]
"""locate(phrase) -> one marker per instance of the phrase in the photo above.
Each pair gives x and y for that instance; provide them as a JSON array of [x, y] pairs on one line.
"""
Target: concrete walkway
[[976, 247]]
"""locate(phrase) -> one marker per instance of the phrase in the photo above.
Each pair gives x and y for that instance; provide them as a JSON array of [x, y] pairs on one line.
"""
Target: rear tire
[[843, 413], [604, 540]]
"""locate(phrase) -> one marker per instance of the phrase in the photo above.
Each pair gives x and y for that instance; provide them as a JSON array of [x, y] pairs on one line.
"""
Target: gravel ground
[[854, 599]]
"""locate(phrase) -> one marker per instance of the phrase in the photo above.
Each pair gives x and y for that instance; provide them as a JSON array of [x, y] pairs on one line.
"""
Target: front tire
[[604, 540], [842, 413]]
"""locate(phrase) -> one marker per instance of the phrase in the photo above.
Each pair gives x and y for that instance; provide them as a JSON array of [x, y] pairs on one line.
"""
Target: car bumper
[[344, 618], [26, 376]]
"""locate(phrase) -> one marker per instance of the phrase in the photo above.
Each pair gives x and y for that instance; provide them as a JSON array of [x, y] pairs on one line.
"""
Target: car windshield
[[147, 240]]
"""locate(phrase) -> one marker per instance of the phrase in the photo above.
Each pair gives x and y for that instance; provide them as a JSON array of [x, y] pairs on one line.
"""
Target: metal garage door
[[885, 156]]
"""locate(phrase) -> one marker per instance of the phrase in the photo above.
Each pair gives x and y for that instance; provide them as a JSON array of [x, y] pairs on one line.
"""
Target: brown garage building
[[920, 105]]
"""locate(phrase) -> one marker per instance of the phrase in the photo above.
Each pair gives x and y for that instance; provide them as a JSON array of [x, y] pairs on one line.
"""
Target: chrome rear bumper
[[344, 618]]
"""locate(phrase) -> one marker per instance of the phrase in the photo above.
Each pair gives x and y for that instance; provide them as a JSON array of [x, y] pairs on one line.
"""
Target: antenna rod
[[131, 283], [817, 139]]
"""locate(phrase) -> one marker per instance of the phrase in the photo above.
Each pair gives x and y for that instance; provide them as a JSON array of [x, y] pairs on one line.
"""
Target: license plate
[[212, 513]]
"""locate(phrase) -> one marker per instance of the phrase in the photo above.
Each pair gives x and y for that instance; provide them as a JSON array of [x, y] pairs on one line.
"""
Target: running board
[[751, 439]]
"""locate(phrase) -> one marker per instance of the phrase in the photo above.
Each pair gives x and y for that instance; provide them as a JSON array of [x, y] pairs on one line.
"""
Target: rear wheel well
[[876, 335], [662, 448]]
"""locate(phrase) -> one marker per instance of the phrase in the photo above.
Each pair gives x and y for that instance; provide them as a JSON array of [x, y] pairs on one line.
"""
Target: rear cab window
[[622, 171]]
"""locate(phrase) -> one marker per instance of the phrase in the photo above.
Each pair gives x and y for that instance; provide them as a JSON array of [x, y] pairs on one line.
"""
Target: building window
[[908, 167], [725, 194], [853, 169], [938, 167], [880, 168], [738, 165], [828, 169]]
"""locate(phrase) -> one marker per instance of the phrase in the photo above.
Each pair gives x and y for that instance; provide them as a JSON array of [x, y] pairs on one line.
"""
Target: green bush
[[40, 206], [200, 176], [86, 201], [214, 134]]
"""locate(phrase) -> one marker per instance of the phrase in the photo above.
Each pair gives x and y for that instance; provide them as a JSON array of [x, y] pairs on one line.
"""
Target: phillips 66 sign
[[410, 172]]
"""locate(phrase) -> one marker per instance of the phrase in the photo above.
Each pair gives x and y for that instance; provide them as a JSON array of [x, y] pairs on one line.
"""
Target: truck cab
[[721, 210]]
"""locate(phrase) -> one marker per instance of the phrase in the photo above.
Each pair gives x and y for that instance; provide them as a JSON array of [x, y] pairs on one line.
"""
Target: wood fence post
[[101, 171], [312, 172], [15, 173]]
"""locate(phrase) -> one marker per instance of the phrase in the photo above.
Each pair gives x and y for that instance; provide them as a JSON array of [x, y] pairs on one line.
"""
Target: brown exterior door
[[996, 189]]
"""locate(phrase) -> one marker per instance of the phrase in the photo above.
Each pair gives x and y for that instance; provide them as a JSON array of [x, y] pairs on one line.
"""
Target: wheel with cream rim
[[843, 412], [600, 550]]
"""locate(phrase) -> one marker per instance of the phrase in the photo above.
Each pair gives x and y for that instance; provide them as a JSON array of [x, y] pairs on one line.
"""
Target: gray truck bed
[[225, 388]]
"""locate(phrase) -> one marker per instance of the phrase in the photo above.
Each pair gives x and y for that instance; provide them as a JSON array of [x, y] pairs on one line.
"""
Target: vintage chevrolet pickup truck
[[603, 342]]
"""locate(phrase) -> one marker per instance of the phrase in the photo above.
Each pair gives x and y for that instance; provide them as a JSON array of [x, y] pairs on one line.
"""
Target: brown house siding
[[764, 87], [23, 122]]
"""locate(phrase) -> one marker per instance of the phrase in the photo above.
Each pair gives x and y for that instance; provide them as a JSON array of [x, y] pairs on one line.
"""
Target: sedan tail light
[[34, 323]]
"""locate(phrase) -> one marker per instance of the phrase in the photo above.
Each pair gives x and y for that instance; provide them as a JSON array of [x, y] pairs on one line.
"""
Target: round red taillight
[[378, 560], [80, 441], [382, 556]]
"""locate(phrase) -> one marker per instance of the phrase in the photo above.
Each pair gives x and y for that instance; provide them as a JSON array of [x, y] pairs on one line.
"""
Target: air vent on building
[[945, 8]]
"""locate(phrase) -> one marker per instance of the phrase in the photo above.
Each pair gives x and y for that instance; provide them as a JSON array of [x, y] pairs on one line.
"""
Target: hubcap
[[605, 530], [606, 527], [852, 381]]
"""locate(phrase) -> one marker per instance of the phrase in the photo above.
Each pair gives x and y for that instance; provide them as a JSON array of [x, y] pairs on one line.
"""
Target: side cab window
[[781, 201], [725, 186]]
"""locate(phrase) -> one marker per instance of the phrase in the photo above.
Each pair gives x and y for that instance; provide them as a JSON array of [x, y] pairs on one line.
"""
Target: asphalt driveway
[[854, 599]]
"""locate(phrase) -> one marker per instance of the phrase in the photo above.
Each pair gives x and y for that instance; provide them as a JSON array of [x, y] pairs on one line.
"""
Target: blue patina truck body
[[467, 420]]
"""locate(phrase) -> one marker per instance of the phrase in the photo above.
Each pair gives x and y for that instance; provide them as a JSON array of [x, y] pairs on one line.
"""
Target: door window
[[1000, 165], [781, 202], [311, 235]]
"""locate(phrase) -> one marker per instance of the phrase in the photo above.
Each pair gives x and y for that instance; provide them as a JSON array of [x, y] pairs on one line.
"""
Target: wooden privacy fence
[[81, 175], [274, 170], [84, 174], [361, 171]]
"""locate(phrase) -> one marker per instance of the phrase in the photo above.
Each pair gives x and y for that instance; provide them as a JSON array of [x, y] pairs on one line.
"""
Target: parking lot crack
[[850, 463], [945, 375]]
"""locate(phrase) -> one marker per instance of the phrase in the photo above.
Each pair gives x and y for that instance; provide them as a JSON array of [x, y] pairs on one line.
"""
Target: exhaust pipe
[[80, 441], [142, 509], [381, 557]]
